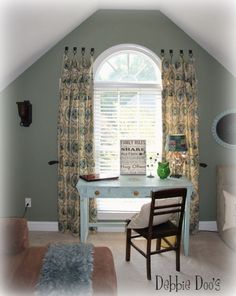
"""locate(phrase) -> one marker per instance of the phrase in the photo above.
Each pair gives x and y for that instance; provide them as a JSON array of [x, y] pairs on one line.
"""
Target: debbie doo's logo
[[174, 284]]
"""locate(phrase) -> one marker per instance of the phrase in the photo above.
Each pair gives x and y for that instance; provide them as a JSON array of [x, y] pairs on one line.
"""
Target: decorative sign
[[133, 157]]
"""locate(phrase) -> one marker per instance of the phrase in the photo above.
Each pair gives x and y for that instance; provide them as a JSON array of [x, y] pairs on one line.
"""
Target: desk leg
[[187, 222], [83, 219]]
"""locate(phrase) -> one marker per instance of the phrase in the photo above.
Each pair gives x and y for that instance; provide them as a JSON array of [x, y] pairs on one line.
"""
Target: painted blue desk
[[128, 187]]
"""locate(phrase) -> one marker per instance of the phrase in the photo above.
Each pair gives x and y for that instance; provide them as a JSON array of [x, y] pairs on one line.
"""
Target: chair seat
[[159, 231], [162, 231]]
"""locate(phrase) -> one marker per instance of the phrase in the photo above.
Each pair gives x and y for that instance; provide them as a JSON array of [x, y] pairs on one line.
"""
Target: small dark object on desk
[[176, 176], [98, 177]]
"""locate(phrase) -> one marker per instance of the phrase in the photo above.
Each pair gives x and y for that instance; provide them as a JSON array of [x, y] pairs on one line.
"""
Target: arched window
[[127, 82], [127, 105]]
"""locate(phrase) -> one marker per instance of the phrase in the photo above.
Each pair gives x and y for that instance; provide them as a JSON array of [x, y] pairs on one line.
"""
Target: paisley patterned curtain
[[180, 116], [75, 137]]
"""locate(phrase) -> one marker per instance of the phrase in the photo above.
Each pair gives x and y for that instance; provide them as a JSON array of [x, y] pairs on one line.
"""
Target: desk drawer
[[118, 192]]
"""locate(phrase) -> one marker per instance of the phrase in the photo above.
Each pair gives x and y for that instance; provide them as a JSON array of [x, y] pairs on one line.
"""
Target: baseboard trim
[[208, 225], [42, 226], [53, 226], [111, 229]]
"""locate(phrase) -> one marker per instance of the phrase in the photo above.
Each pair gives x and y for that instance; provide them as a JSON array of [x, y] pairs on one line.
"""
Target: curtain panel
[[180, 116], [75, 138]]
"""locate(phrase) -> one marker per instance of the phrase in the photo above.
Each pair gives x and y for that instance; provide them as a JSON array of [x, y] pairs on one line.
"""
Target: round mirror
[[224, 129]]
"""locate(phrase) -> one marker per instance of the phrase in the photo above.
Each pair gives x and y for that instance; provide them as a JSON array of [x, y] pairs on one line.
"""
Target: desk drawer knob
[[136, 193], [97, 192]]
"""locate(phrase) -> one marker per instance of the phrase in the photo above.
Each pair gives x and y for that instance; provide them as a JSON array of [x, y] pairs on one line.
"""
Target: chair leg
[[128, 244], [178, 259], [158, 245], [148, 259]]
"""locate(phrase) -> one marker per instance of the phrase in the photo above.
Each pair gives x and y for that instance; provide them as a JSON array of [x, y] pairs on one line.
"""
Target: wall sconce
[[25, 113]]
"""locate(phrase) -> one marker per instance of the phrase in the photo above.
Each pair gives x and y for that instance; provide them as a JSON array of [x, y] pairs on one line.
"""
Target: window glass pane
[[120, 67], [106, 72], [137, 62], [128, 66]]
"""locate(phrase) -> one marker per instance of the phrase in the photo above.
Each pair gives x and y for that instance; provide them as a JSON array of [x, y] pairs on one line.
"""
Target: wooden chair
[[162, 231]]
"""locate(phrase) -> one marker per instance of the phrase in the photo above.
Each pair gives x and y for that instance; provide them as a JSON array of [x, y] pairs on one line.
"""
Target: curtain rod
[[83, 49], [181, 52]]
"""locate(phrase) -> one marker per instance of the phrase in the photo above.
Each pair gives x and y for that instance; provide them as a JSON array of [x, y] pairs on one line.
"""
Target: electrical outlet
[[28, 201]]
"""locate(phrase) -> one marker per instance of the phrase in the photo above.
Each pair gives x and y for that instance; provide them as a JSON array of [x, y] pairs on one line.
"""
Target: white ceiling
[[30, 28]]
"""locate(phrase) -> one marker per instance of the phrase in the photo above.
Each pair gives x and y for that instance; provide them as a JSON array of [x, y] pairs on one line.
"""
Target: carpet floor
[[210, 269]]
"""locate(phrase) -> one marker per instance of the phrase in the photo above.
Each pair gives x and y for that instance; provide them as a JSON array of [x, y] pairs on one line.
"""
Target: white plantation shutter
[[125, 114], [127, 105]]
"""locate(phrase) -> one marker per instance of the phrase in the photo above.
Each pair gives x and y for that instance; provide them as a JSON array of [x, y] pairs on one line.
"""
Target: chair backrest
[[169, 201]]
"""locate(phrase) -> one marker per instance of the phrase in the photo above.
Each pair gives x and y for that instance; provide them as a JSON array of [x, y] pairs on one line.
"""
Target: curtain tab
[[171, 55], [190, 52], [83, 51], [74, 50], [162, 53], [92, 51], [66, 50]]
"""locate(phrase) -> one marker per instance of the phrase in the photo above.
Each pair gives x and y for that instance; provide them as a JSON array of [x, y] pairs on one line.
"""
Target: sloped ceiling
[[30, 28]]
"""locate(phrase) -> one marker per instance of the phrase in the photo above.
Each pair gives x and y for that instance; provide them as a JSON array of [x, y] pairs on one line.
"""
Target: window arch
[[127, 64], [127, 103]]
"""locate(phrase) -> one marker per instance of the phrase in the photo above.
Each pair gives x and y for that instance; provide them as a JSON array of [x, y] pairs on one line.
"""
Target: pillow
[[230, 210], [141, 219], [229, 237]]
